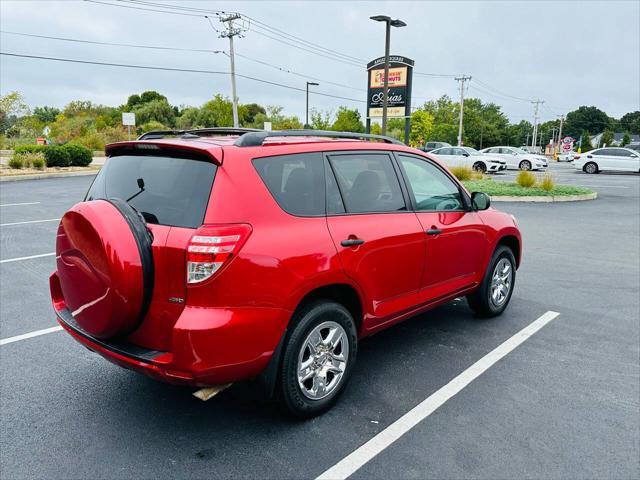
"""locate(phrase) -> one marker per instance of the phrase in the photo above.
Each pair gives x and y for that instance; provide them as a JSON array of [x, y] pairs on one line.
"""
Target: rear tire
[[591, 167], [525, 165], [494, 293], [319, 355]]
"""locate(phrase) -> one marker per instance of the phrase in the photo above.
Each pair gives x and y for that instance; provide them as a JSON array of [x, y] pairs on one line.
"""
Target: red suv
[[219, 255]]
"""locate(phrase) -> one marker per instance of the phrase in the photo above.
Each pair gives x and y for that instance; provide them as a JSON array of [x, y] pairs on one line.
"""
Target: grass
[[498, 188]]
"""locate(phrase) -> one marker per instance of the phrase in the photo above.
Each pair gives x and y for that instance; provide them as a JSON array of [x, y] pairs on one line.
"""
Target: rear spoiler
[[213, 152]]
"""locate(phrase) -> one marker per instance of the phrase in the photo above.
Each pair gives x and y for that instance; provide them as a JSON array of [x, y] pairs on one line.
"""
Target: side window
[[432, 189], [621, 152], [295, 181], [368, 183], [506, 151], [458, 151], [445, 151], [334, 200], [604, 151]]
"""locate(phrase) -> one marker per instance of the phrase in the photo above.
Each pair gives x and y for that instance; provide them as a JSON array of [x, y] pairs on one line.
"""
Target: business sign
[[129, 119], [399, 83], [567, 144]]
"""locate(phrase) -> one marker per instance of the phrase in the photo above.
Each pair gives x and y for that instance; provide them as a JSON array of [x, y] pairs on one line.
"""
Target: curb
[[43, 176], [549, 199]]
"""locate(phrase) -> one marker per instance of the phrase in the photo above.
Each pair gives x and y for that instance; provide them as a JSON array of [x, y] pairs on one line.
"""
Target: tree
[[630, 122], [348, 120], [516, 134], [320, 120], [46, 114], [188, 118], [12, 106], [607, 139], [145, 97], [626, 140], [157, 110], [421, 128], [250, 111], [591, 119], [585, 142]]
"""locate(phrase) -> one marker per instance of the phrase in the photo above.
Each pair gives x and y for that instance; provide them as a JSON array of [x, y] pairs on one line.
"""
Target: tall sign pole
[[230, 32], [461, 79], [385, 95]]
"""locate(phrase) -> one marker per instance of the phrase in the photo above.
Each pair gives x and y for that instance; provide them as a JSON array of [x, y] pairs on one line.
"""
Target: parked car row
[[469, 157]]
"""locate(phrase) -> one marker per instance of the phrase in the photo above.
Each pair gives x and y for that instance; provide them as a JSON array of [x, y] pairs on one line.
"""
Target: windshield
[[472, 151], [519, 150], [165, 190]]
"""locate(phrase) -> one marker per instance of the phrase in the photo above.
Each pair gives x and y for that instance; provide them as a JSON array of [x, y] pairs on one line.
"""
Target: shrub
[[547, 182], [57, 156], [37, 161], [462, 173], [29, 149], [526, 179], [79, 156], [16, 162]]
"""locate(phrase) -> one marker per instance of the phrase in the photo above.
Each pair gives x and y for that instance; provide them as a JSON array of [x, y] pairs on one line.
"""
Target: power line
[[144, 9], [174, 69], [159, 47], [95, 42]]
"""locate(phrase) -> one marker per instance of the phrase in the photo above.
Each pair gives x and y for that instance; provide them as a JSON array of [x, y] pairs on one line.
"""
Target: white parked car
[[468, 157], [516, 158], [610, 158]]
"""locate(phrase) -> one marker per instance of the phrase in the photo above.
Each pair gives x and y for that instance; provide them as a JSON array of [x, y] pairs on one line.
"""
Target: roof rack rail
[[257, 138], [196, 132]]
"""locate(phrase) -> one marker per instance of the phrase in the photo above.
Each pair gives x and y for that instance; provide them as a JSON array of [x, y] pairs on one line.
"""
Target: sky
[[567, 53]]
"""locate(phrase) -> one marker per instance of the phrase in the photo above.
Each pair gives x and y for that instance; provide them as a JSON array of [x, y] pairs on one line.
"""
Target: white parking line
[[352, 462], [29, 221], [19, 259], [24, 336], [17, 204]]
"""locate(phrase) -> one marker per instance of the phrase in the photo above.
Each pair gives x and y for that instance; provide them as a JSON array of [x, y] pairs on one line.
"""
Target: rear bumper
[[210, 346]]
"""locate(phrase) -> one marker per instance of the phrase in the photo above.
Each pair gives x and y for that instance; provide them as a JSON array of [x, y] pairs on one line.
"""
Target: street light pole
[[387, 46], [306, 123]]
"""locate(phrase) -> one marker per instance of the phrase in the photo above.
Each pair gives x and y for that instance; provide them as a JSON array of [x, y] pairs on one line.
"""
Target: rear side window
[[368, 182], [295, 181], [165, 190]]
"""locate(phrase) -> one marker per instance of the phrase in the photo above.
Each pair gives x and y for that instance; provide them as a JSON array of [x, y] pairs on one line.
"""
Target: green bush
[[79, 156], [547, 182], [526, 179], [29, 149], [16, 162], [57, 156]]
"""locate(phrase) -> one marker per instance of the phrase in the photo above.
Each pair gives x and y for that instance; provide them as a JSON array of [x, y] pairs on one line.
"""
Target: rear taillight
[[211, 247], [576, 157]]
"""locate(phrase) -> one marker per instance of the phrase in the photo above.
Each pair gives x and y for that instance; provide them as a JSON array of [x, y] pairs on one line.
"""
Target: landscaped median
[[32, 162], [512, 192]]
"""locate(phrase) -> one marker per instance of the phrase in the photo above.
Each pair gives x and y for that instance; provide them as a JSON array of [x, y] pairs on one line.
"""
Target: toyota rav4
[[214, 256]]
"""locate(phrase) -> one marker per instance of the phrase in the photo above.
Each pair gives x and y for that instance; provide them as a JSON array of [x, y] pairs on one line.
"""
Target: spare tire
[[105, 266]]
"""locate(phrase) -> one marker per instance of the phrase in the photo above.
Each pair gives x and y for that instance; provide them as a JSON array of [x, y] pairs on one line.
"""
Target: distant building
[[617, 139]]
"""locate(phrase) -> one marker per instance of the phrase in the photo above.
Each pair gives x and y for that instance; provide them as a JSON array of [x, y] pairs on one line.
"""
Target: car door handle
[[351, 242], [434, 231]]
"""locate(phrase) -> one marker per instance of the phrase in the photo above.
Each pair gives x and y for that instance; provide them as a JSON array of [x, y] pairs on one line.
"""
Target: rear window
[[165, 190], [296, 182]]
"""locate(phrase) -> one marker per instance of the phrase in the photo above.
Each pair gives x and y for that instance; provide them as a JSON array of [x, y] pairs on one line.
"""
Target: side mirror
[[514, 153], [465, 154], [480, 201]]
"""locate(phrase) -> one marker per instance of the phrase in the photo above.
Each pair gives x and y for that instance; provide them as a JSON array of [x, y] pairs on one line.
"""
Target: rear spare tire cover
[[103, 254]]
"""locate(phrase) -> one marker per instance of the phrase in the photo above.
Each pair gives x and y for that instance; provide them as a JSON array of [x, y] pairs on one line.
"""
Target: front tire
[[480, 167], [494, 293], [590, 167], [318, 358], [525, 165]]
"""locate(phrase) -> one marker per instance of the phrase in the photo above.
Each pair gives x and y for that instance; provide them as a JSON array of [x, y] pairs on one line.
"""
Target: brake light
[[211, 247], [576, 157]]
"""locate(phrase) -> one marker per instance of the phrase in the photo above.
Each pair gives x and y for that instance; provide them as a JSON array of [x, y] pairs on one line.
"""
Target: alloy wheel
[[501, 282], [322, 360]]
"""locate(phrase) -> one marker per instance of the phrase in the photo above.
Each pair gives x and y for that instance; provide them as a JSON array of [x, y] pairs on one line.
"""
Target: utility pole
[[461, 79], [230, 32], [536, 106], [560, 133]]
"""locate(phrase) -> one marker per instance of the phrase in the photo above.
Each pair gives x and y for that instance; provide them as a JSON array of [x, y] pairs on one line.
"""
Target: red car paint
[[228, 327]]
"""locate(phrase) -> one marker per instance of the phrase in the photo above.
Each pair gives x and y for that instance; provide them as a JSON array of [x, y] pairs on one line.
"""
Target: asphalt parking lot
[[563, 404]]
